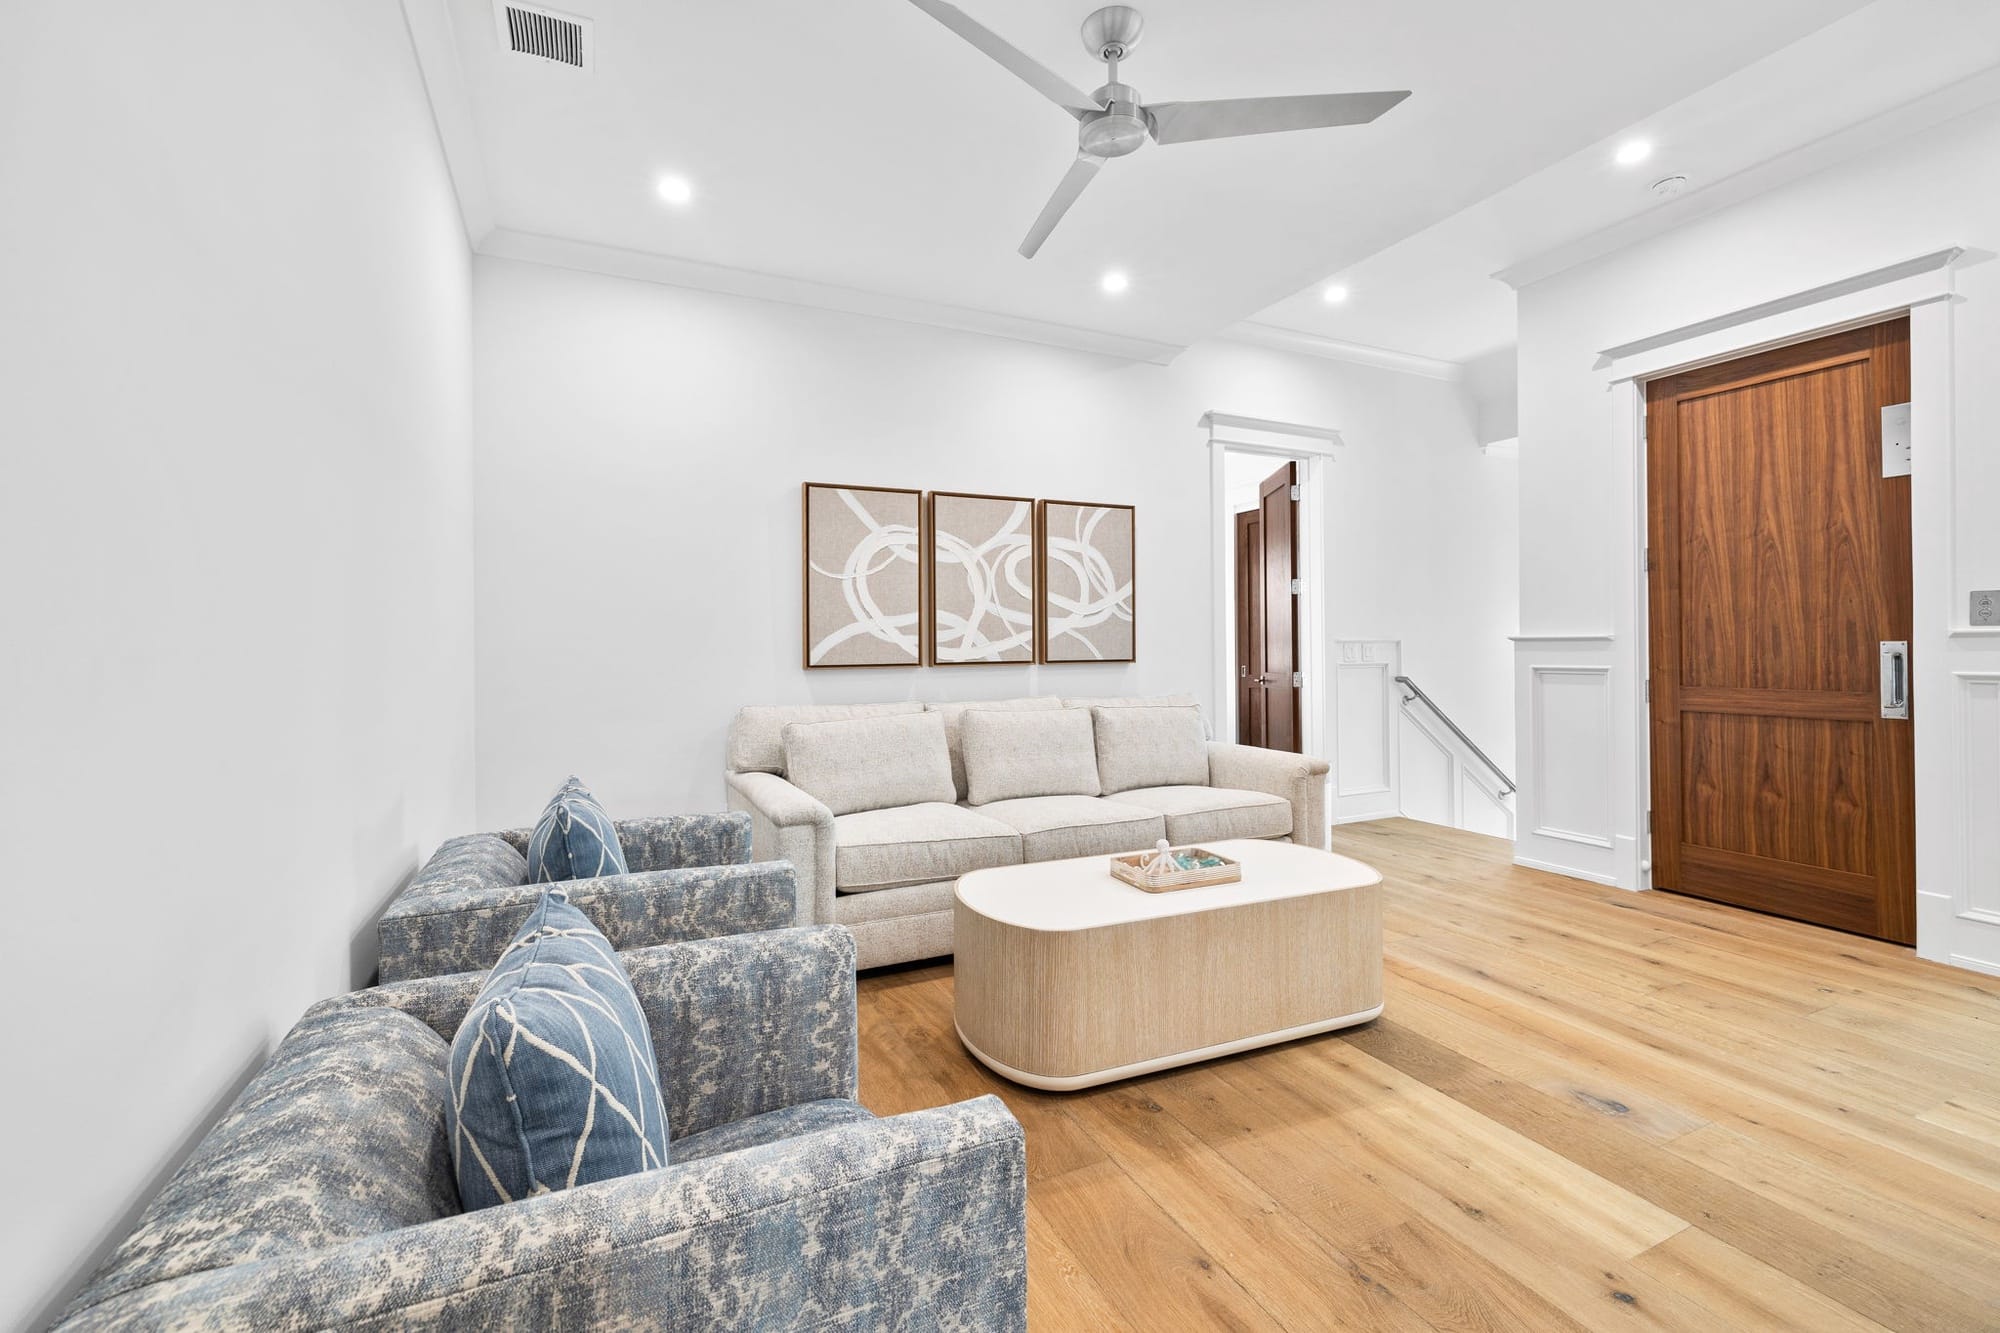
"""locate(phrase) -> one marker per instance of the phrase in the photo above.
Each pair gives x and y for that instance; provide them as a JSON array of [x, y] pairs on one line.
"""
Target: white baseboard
[[1991, 969], [1608, 881]]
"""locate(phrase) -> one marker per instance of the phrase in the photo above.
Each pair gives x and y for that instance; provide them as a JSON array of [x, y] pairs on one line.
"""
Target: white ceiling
[[1433, 294], [864, 146]]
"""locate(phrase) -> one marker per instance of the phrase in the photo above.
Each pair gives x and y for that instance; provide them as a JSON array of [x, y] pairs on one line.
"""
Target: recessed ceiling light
[[1114, 282], [1632, 152], [1334, 295], [676, 190]]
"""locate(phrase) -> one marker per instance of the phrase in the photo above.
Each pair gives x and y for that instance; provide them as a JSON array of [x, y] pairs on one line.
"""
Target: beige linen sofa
[[880, 807]]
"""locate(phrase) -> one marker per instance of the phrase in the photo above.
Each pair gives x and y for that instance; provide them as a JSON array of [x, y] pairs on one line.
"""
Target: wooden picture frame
[[1086, 609], [868, 549], [976, 550]]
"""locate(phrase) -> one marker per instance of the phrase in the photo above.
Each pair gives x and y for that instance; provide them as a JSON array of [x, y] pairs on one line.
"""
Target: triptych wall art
[[903, 578]]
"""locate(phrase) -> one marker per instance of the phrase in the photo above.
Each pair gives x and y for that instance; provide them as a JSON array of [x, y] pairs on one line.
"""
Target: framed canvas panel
[[982, 579], [864, 576], [1087, 558]]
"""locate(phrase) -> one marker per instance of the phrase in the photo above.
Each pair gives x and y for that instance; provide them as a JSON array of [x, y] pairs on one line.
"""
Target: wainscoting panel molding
[[1978, 897], [1570, 711], [1367, 781], [1567, 809]]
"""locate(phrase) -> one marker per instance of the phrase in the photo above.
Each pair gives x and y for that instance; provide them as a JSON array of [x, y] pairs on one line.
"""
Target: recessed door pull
[[1895, 678]]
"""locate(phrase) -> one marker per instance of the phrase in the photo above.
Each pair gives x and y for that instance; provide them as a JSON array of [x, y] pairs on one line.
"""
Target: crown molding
[[1913, 117], [436, 46], [1332, 349], [641, 266]]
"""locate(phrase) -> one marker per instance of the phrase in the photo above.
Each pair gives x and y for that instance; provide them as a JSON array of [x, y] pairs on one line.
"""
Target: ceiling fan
[[1114, 122]]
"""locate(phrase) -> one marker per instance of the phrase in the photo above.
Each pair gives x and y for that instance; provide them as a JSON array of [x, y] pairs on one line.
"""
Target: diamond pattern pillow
[[553, 1080], [574, 839]]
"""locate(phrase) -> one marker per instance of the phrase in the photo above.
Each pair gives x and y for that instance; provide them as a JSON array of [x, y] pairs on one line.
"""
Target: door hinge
[[1298, 680], [1649, 691], [1298, 586], [1295, 491], [1646, 558]]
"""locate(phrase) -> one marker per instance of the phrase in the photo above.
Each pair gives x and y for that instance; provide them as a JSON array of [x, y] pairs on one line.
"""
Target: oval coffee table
[[1066, 978]]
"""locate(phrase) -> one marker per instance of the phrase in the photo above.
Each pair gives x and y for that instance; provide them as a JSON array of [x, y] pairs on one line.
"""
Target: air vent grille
[[545, 33]]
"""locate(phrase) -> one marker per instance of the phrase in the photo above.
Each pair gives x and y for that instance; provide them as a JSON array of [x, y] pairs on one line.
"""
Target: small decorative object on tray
[[1167, 868]]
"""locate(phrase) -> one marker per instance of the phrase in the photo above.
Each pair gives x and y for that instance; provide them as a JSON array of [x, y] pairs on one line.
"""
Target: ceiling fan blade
[[1073, 181], [1030, 71], [1184, 122]]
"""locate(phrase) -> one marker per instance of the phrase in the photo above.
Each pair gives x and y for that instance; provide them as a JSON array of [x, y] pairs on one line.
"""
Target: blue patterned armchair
[[325, 1197], [691, 878]]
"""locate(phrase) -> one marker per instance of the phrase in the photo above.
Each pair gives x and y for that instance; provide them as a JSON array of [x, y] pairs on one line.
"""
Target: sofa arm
[[680, 842], [916, 1221], [788, 824], [750, 1023], [436, 934], [1298, 778]]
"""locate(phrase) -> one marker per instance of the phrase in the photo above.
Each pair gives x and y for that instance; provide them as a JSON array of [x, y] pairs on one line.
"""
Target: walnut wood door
[[1279, 513], [1249, 627], [1779, 567]]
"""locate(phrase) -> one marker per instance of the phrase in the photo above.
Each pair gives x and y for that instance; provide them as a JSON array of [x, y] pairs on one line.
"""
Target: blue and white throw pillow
[[574, 839], [553, 1080]]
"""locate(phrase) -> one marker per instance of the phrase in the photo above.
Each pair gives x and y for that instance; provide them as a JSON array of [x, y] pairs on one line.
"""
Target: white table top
[[1081, 894]]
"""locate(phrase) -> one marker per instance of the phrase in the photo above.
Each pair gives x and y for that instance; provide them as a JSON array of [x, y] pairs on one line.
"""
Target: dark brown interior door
[[1249, 627], [1780, 567], [1280, 522]]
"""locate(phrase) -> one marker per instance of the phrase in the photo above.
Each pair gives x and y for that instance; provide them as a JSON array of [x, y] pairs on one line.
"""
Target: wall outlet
[[1986, 607]]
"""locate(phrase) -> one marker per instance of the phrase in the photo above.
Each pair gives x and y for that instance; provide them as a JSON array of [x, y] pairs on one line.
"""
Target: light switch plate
[[1896, 440], [1986, 607]]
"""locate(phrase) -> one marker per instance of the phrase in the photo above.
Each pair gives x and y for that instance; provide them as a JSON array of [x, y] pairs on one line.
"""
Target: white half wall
[[1931, 192], [236, 547], [640, 452]]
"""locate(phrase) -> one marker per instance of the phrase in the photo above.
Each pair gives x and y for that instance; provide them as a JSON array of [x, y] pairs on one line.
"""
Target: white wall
[[236, 553], [640, 453], [1927, 193]]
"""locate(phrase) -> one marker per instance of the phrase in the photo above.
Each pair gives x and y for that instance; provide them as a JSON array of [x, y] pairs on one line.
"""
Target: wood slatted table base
[[1049, 1000]]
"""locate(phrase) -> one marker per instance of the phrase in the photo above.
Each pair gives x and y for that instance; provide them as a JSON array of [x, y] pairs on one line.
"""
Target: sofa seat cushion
[[916, 844], [553, 1082], [754, 1131], [1055, 827], [1209, 814]]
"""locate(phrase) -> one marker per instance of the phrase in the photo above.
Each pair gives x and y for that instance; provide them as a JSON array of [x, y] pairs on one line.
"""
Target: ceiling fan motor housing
[[1120, 128]]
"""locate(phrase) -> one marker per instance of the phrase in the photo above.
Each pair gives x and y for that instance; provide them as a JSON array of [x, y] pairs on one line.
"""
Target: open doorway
[[1264, 575]]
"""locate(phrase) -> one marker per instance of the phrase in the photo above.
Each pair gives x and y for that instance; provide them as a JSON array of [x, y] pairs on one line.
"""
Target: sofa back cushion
[[954, 713], [1044, 752], [1142, 701], [757, 736], [573, 839], [1139, 746], [870, 763], [553, 1083], [340, 1136]]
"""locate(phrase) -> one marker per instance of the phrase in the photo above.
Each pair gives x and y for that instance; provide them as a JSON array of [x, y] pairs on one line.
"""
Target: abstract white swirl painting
[[863, 582], [982, 578], [1087, 576]]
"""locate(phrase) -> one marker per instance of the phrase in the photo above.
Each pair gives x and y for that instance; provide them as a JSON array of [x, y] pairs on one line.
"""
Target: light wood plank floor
[[1582, 1108]]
